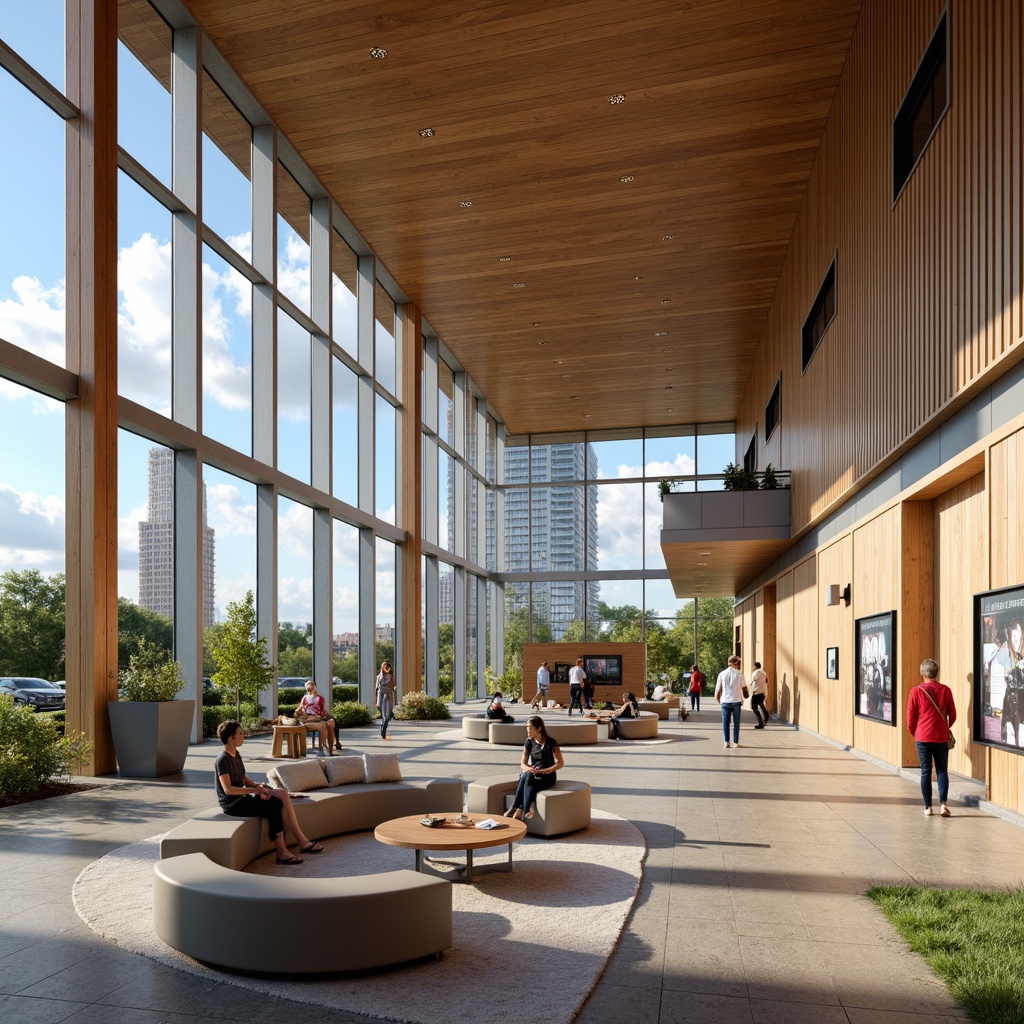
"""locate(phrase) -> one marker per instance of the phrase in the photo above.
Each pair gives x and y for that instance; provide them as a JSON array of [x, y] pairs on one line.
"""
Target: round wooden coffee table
[[410, 834]]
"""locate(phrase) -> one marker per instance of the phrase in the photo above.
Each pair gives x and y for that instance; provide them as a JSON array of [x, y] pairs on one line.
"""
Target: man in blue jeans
[[729, 693]]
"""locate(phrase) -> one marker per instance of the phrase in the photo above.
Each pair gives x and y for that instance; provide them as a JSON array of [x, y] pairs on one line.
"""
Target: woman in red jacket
[[930, 713]]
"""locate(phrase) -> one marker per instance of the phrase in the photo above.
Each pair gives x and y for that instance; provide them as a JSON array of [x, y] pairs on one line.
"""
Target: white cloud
[[33, 530], [34, 318], [620, 526], [227, 382], [144, 322], [228, 513], [294, 599]]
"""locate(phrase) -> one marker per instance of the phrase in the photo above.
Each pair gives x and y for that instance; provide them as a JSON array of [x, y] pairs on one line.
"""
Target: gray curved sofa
[[205, 906]]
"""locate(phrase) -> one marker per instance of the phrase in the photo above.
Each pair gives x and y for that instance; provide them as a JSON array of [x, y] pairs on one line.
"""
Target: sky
[[32, 275]]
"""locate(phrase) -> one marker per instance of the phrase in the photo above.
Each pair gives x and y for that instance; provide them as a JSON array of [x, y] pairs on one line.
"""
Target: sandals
[[289, 860], [313, 847]]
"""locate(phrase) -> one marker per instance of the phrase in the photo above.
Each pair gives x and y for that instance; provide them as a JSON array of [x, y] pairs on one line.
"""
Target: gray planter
[[151, 738]]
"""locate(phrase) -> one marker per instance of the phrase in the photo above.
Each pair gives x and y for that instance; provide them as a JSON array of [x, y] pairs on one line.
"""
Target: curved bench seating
[[568, 732], [660, 707], [206, 907], [232, 919], [563, 808], [643, 728]]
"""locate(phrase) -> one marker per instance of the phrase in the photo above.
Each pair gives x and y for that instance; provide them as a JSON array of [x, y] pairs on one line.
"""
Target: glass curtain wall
[[582, 556], [272, 285]]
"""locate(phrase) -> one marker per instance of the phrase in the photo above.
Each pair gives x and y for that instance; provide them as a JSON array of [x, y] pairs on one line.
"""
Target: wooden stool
[[296, 735]]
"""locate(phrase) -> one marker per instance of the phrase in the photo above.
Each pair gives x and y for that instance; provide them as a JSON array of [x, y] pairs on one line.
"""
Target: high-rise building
[[156, 543], [553, 529]]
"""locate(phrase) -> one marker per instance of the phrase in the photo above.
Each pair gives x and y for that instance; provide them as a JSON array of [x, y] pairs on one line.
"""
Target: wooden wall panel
[[835, 629], [805, 644], [634, 668], [1006, 502], [916, 610], [876, 588], [929, 288], [784, 654], [961, 570]]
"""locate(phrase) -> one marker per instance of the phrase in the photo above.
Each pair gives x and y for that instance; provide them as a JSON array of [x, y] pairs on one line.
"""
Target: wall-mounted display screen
[[999, 669], [560, 673], [603, 668], [875, 644]]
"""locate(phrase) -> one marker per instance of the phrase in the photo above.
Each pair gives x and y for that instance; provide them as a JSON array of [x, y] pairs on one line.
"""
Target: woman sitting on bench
[[542, 758], [630, 709]]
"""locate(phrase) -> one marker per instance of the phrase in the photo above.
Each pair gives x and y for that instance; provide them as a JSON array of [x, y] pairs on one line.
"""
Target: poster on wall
[[999, 668], [832, 663], [875, 647]]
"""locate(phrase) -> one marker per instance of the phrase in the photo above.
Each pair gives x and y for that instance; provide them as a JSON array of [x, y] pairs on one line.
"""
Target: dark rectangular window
[[773, 410], [922, 108], [750, 455], [822, 313]]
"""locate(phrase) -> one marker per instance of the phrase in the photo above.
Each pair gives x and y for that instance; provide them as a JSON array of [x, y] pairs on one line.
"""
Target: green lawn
[[973, 940]]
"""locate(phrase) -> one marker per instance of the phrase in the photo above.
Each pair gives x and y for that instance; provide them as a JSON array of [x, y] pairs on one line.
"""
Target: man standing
[[543, 685], [577, 677], [758, 693], [729, 693]]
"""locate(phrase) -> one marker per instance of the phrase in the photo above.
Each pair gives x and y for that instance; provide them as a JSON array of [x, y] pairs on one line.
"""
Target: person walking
[[577, 677], [696, 685], [758, 693], [930, 716], [385, 690], [729, 693], [543, 685]]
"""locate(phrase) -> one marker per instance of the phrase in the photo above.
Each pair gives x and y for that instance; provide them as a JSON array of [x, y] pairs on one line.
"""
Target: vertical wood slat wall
[[929, 305]]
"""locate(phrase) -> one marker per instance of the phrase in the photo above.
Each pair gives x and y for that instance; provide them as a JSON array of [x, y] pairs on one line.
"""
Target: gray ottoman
[[563, 808]]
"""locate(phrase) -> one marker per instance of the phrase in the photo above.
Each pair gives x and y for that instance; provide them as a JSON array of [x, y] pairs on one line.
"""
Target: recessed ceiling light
[[542, 343], [626, 179], [574, 398], [536, 323], [504, 259], [586, 415], [619, 97], [566, 376], [426, 133], [668, 387], [702, 563], [665, 302], [669, 349], [558, 362], [669, 369], [466, 203], [667, 238], [661, 334], [519, 284], [639, 277], [704, 554], [378, 53]]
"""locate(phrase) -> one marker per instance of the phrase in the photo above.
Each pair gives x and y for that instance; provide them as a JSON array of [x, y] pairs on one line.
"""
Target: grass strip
[[973, 940]]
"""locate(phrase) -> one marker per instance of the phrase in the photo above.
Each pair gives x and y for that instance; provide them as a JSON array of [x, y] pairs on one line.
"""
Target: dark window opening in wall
[[750, 455], [738, 645], [922, 109], [773, 410], [822, 313]]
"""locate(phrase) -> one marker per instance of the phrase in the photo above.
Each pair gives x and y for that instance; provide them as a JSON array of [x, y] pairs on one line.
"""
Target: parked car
[[38, 694], [60, 684], [207, 683]]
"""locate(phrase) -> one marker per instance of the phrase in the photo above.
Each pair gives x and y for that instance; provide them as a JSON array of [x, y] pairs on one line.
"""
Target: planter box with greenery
[[150, 728]]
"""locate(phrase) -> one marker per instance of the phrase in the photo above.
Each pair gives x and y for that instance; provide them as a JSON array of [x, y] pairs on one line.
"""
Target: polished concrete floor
[[750, 908]]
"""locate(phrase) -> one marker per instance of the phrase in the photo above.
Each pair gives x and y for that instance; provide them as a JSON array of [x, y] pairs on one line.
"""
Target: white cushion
[[382, 768], [344, 770], [298, 776]]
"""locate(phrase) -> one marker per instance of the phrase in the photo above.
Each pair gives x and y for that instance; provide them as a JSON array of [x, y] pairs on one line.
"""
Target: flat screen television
[[560, 674], [603, 668]]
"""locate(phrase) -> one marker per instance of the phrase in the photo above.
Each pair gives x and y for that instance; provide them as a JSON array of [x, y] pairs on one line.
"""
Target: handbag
[[952, 738], [746, 692]]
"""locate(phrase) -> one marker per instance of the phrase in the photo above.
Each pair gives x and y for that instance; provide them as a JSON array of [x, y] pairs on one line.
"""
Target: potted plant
[[664, 487], [150, 728]]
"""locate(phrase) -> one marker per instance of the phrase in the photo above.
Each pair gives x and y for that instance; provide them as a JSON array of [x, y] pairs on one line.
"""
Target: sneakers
[[725, 745], [928, 812], [737, 744]]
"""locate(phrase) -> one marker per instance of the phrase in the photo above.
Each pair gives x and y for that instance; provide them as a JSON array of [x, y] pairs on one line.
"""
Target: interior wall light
[[835, 593]]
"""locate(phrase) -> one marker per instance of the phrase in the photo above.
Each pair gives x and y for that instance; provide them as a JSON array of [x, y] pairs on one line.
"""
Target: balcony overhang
[[715, 541]]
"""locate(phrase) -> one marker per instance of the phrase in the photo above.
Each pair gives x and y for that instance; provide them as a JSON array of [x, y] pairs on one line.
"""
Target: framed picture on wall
[[999, 669], [875, 651], [560, 674], [832, 663]]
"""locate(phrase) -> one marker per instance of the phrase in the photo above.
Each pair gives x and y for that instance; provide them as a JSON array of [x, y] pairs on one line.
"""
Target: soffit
[[726, 101]]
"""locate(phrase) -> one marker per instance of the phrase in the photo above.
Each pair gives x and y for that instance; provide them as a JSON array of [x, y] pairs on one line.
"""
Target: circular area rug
[[552, 922]]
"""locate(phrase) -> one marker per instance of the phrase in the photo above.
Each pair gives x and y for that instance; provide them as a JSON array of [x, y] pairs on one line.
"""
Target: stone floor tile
[[22, 1010], [693, 1007], [778, 1011], [858, 1015], [611, 1003]]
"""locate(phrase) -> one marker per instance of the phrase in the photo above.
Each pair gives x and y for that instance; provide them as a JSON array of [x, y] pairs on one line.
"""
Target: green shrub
[[150, 676], [213, 716], [417, 706], [59, 718], [347, 714], [213, 698], [345, 692], [290, 695], [287, 709], [32, 752]]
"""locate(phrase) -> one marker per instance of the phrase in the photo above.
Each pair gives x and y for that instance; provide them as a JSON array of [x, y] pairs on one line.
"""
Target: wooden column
[[411, 500], [91, 455]]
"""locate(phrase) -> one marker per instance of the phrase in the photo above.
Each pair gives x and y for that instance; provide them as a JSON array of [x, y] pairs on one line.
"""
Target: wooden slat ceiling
[[629, 289]]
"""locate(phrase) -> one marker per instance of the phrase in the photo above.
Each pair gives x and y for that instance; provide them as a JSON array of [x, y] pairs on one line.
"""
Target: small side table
[[296, 736]]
